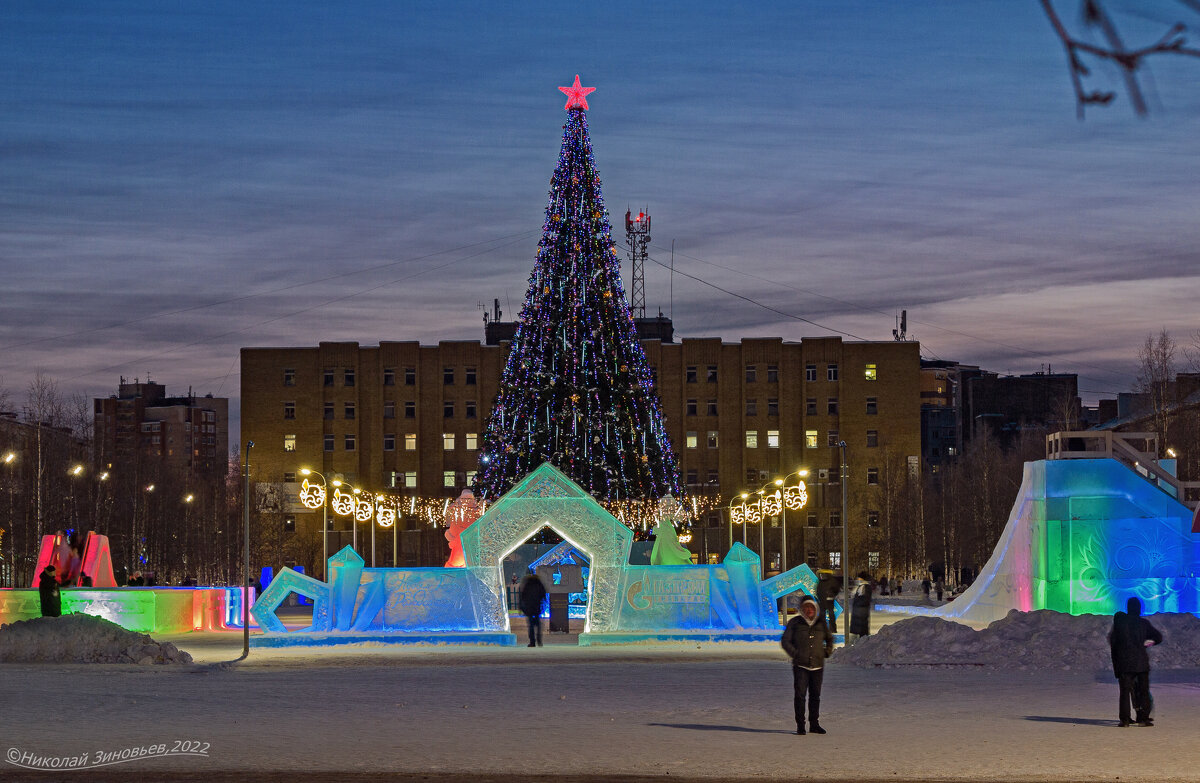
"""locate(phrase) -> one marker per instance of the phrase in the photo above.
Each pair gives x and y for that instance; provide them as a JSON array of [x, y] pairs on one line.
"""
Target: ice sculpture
[[460, 515]]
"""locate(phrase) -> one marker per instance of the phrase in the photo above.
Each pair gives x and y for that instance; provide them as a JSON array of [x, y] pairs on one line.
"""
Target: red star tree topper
[[576, 95]]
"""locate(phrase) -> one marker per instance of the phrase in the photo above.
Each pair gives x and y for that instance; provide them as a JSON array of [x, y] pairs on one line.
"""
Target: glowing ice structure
[[625, 603], [1084, 535]]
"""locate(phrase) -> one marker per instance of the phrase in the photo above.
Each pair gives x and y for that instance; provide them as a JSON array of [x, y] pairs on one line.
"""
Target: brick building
[[409, 418]]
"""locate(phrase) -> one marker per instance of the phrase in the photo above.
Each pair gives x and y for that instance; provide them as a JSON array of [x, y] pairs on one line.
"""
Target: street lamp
[[347, 504], [10, 460], [845, 531], [246, 552], [310, 495]]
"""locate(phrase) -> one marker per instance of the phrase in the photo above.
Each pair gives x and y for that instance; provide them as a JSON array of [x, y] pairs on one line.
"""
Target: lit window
[[410, 479], [772, 439], [289, 442], [448, 478], [447, 441], [289, 377], [712, 439], [869, 373], [389, 442], [835, 559], [691, 440], [410, 441], [831, 372], [810, 439], [289, 410], [472, 441], [752, 439], [873, 560], [872, 475], [471, 477], [329, 443], [810, 372]]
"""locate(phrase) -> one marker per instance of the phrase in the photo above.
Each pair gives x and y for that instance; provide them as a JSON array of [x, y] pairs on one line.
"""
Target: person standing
[[925, 585], [533, 594], [860, 609], [808, 642], [827, 591], [48, 594], [1131, 634]]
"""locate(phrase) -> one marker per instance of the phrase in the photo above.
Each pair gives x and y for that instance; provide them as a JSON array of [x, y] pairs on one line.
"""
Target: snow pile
[[1022, 640], [81, 638]]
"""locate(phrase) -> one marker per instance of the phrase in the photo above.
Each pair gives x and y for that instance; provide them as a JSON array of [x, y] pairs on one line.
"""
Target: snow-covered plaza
[[713, 712]]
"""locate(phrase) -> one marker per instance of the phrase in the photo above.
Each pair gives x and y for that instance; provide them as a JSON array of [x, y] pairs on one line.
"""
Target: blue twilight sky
[[179, 180]]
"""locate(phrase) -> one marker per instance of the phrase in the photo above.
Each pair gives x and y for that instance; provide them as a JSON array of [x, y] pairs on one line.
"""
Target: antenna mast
[[901, 330], [637, 236]]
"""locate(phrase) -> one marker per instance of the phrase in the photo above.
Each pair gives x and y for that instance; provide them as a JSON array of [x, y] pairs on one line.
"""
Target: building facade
[[408, 419]]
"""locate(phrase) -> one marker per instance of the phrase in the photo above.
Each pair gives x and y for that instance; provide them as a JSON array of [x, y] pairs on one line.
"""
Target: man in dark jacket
[[808, 642], [51, 599], [533, 593], [1131, 634], [827, 591]]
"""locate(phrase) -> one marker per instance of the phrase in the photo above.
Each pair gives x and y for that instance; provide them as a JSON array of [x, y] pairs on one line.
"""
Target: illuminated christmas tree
[[577, 391]]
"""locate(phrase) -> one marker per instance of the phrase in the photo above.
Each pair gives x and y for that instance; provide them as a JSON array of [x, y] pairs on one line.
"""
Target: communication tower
[[637, 237]]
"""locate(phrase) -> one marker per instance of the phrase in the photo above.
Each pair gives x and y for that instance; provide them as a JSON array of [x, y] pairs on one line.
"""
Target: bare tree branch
[[1128, 60]]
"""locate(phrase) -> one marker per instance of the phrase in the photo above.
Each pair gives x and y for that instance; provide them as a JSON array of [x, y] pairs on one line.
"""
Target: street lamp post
[[324, 517], [845, 530], [246, 552], [10, 461]]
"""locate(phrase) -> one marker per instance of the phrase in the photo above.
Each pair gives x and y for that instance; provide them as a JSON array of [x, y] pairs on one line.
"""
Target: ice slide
[[1084, 535]]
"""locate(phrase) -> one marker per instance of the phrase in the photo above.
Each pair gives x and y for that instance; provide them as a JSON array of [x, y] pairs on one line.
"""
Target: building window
[[872, 438], [810, 406], [327, 377], [752, 439], [447, 441], [835, 559], [389, 442], [772, 439], [772, 406], [472, 441], [691, 440], [329, 443], [831, 406], [410, 479], [289, 442], [471, 477], [873, 561], [389, 376], [410, 376], [810, 439], [389, 409], [471, 409], [348, 377], [351, 440], [832, 436], [751, 407], [835, 519], [410, 441], [812, 519], [410, 410], [470, 376], [328, 411], [751, 373], [289, 410], [448, 410], [289, 377], [810, 372], [869, 373], [692, 478], [349, 411], [872, 519], [289, 524], [447, 478], [712, 439], [447, 376], [712, 407], [289, 478], [714, 478], [831, 372], [712, 373], [872, 475], [692, 408], [872, 406], [751, 475], [690, 373]]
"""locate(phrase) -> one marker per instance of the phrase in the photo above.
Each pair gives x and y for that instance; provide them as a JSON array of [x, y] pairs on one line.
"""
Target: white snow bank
[[1023, 640], [81, 638]]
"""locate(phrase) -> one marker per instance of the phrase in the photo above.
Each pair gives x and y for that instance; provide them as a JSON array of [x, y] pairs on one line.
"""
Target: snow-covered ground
[[717, 711]]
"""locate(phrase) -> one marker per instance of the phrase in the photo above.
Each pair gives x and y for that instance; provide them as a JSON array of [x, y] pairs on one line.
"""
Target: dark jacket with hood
[[1128, 637], [807, 642], [533, 593], [860, 608], [51, 599]]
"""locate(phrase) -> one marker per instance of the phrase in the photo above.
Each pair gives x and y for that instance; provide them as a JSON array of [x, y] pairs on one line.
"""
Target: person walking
[[50, 598], [808, 642], [925, 585], [827, 591], [1131, 634], [533, 594], [860, 609]]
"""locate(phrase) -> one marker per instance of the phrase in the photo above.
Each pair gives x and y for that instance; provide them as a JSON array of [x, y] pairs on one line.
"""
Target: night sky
[[180, 180]]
